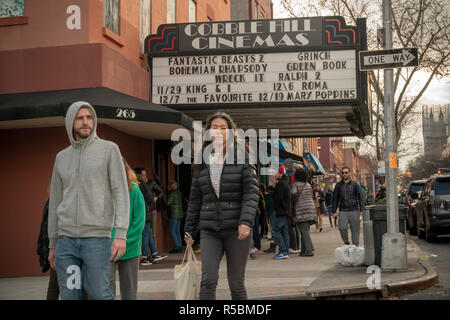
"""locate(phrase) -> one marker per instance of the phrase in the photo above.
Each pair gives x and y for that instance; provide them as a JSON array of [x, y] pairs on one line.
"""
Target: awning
[[123, 112], [315, 162], [311, 121]]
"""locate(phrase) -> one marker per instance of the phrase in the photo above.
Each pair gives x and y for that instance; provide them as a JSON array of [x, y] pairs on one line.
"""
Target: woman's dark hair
[[262, 187], [300, 175], [270, 188], [231, 126]]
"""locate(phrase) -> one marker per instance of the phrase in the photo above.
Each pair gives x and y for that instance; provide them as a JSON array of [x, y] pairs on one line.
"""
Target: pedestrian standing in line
[[263, 218], [319, 201], [329, 204], [147, 188], [305, 210], [272, 219], [128, 264], [348, 197], [282, 207], [88, 194], [259, 213], [174, 202], [222, 205]]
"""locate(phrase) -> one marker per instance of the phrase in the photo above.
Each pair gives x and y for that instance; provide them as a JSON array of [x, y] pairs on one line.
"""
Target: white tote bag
[[187, 277]]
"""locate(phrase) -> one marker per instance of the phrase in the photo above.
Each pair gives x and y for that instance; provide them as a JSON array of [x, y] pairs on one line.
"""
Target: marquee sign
[[258, 62]]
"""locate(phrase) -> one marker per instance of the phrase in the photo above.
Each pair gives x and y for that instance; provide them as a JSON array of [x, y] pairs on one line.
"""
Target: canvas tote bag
[[187, 276]]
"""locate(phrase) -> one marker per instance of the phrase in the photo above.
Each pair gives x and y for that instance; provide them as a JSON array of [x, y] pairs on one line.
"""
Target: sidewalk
[[298, 277]]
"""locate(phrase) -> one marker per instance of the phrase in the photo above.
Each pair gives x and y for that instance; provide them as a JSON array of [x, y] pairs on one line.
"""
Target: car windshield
[[442, 186], [415, 187]]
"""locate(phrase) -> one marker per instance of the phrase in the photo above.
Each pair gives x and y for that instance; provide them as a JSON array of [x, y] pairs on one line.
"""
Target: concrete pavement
[[318, 277]]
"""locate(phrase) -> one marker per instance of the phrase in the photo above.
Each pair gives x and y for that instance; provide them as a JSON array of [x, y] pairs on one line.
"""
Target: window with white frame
[[192, 11], [145, 25], [171, 11]]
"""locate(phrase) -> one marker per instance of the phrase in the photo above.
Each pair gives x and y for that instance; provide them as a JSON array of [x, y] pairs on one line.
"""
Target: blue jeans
[[281, 230], [175, 225], [147, 239], [330, 215], [83, 262], [273, 222]]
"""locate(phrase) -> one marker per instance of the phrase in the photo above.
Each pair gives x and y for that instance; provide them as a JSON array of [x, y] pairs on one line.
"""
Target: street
[[438, 255]]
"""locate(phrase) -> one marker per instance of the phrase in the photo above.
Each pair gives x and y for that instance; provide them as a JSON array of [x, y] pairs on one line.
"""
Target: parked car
[[433, 208], [410, 200]]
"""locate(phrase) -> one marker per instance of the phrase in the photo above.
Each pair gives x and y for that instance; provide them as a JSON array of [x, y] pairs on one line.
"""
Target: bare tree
[[422, 24]]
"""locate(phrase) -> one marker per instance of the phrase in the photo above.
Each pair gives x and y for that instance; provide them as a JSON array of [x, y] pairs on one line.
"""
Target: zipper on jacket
[[78, 191]]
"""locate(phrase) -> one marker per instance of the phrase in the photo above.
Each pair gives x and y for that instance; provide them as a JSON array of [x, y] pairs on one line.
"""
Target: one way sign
[[388, 59]]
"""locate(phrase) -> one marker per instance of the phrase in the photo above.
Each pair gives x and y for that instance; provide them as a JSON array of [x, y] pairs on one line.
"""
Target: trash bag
[[349, 255], [187, 277]]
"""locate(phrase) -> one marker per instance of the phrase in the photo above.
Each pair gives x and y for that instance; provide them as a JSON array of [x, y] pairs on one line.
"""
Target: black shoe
[[253, 256], [174, 250], [307, 254], [158, 257], [320, 230], [146, 262], [347, 243]]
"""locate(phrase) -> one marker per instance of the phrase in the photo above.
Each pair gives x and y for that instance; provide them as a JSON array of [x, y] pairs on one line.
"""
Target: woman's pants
[[319, 218], [214, 245], [128, 276], [264, 225], [293, 236], [175, 232], [306, 242]]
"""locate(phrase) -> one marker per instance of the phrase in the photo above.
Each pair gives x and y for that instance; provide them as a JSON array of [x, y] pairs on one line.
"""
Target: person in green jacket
[[129, 263], [174, 202]]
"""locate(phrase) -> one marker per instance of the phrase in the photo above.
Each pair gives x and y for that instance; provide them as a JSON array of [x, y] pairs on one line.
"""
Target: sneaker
[[281, 256], [158, 257], [258, 251], [307, 254], [197, 250], [293, 251], [253, 256], [146, 262]]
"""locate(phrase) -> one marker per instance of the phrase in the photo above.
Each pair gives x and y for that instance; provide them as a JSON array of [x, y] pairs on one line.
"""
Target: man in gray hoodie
[[89, 194]]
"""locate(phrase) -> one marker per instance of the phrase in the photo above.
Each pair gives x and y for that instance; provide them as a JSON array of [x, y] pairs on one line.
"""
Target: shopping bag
[[349, 256], [187, 276]]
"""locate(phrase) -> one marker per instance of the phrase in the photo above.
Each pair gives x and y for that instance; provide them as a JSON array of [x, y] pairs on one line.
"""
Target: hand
[[51, 258], [244, 232], [118, 249], [334, 215], [189, 242]]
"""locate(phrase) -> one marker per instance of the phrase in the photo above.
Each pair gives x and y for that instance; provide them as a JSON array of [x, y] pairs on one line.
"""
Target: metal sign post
[[394, 254]]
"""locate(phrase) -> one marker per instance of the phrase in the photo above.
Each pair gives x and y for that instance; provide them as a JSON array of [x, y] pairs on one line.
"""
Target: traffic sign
[[388, 59]]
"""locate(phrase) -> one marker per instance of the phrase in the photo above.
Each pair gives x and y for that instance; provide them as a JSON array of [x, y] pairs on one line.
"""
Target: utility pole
[[394, 253]]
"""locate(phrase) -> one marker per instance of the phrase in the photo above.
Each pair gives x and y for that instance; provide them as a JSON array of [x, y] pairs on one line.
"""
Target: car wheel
[[429, 237], [420, 233], [413, 229]]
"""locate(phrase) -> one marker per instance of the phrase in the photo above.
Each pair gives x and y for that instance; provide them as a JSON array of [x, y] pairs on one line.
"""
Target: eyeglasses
[[345, 172]]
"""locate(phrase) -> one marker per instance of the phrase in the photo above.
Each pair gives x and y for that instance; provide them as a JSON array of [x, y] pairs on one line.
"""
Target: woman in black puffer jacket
[[222, 206]]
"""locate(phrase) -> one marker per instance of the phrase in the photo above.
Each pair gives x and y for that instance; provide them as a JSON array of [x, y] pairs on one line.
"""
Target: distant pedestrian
[[222, 205], [319, 201], [148, 187], [88, 196], [329, 204], [305, 211], [263, 218], [174, 202], [282, 208], [128, 264], [272, 219], [348, 197]]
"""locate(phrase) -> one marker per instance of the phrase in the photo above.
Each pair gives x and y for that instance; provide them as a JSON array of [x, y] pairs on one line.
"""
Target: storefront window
[[11, 8]]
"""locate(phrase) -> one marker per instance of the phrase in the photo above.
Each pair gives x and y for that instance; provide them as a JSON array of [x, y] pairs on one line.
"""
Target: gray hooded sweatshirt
[[89, 187]]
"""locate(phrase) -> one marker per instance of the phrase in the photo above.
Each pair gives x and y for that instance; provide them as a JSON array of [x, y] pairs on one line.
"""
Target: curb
[[404, 287], [363, 293]]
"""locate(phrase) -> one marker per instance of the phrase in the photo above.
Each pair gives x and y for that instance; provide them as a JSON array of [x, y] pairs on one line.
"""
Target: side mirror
[[414, 196]]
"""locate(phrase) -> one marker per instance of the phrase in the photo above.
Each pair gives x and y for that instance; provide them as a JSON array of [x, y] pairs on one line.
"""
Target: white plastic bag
[[349, 256], [187, 277]]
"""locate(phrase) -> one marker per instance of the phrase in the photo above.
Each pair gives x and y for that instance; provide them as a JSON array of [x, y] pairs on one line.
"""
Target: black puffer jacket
[[236, 205]]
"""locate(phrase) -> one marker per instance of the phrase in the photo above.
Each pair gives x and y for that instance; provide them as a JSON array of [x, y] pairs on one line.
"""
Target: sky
[[437, 93]]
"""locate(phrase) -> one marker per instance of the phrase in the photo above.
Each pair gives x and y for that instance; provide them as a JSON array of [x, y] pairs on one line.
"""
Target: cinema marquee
[[308, 63]]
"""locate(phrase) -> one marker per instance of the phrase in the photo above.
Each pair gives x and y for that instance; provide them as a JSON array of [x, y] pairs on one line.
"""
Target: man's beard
[[83, 135]]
